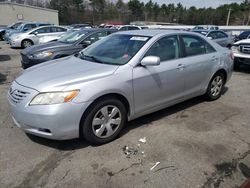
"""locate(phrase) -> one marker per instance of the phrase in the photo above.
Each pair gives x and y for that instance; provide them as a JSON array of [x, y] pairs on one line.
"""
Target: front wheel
[[103, 121], [26, 43], [215, 87]]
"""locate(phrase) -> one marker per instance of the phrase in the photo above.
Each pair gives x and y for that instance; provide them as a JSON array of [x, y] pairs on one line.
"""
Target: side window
[[133, 28], [124, 28], [166, 48], [43, 30], [57, 29], [195, 45], [221, 35], [212, 34], [29, 26], [95, 37]]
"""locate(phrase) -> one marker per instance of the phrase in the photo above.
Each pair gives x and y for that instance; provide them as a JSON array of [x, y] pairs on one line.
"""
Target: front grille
[[17, 95], [245, 49]]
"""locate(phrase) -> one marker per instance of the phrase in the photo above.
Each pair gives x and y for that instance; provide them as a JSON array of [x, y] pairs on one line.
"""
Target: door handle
[[181, 67], [214, 58]]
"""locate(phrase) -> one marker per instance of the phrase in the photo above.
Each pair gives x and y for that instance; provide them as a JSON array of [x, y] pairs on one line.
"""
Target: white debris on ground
[[156, 164], [143, 140]]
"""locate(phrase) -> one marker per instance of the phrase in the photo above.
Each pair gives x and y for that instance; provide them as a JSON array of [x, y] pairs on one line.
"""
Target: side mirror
[[35, 33], [86, 43], [150, 61], [211, 38]]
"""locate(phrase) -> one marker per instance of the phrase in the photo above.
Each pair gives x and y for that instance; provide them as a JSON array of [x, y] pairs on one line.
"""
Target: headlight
[[54, 97], [234, 48], [43, 54]]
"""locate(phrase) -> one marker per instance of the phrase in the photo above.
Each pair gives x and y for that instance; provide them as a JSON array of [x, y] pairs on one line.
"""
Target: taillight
[[232, 55]]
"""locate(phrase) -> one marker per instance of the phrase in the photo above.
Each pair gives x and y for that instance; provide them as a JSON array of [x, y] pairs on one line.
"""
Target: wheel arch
[[118, 96], [28, 40]]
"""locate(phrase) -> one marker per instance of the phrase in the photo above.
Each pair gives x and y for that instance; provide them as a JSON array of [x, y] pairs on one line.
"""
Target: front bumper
[[15, 43], [58, 122], [27, 62], [242, 58]]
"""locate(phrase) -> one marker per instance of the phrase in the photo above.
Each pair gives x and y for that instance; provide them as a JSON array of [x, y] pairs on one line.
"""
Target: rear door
[[198, 63]]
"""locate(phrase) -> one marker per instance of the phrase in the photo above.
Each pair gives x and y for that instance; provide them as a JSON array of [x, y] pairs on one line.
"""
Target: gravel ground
[[198, 144]]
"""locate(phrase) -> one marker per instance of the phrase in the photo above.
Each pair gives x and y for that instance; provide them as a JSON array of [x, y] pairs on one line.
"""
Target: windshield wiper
[[83, 56]]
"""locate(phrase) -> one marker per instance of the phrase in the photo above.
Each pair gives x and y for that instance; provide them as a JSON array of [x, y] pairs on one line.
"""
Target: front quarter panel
[[120, 82]]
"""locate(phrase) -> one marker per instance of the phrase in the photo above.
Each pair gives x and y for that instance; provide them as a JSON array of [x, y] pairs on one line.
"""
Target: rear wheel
[[103, 121], [215, 87], [26, 43]]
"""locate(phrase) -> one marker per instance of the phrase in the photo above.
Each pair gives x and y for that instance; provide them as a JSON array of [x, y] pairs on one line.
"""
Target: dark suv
[[69, 44], [243, 35]]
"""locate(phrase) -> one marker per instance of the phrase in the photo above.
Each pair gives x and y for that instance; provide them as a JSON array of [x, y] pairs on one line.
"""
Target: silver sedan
[[32, 37], [117, 79]]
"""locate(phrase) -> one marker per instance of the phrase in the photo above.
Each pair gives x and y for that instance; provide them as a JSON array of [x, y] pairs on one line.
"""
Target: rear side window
[[244, 35], [195, 45], [57, 29], [221, 35], [133, 28], [124, 28], [43, 30], [29, 26], [166, 48]]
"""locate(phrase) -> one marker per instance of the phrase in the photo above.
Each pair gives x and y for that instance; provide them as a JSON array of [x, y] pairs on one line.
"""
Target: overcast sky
[[197, 3]]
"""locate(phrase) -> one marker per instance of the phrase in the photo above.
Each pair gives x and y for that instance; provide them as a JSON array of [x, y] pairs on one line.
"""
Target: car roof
[[95, 29], [152, 32]]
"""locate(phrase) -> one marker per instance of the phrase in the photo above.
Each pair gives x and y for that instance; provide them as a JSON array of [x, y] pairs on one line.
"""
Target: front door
[[156, 86]]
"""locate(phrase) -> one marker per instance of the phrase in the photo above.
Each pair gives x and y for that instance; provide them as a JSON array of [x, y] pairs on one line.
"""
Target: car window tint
[[29, 26], [124, 29], [57, 29], [166, 48], [212, 34], [221, 35], [95, 37], [195, 45], [133, 28], [43, 30]]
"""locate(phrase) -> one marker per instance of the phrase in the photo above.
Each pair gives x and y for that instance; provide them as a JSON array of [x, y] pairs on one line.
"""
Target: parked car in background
[[79, 26], [206, 27], [26, 26], [218, 36], [51, 38], [121, 77], [10, 27], [243, 35], [241, 51], [131, 27], [32, 36], [69, 44]]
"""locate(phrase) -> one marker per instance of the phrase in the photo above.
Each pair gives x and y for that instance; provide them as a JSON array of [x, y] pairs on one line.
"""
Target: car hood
[[44, 47], [245, 41], [56, 75]]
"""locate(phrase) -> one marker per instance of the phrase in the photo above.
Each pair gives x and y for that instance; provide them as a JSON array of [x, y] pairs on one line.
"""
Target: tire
[[236, 64], [1, 36], [94, 126], [26, 43], [215, 87]]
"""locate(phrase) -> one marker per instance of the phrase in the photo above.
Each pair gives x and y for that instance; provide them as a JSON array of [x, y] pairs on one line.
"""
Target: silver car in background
[[32, 36], [121, 77], [218, 36]]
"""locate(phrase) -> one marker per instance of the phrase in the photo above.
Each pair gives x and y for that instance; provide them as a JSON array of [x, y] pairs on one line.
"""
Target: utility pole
[[228, 16]]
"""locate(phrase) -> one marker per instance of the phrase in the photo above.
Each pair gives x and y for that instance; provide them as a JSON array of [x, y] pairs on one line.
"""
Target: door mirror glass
[[35, 33], [150, 61], [211, 38], [86, 43]]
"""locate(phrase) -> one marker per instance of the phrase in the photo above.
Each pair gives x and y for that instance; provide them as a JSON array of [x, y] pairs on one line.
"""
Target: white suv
[[241, 51]]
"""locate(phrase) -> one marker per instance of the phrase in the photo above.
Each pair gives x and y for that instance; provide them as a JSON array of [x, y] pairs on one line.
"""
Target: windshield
[[116, 49], [20, 27], [14, 26], [72, 37]]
